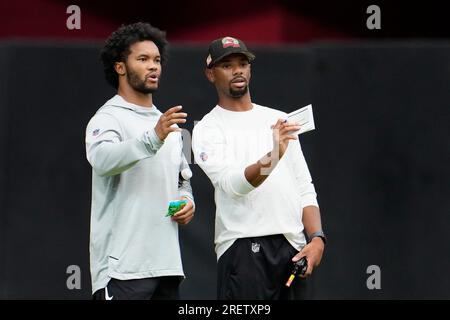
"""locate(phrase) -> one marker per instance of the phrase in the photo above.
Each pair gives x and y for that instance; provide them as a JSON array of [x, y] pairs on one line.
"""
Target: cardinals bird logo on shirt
[[203, 156]]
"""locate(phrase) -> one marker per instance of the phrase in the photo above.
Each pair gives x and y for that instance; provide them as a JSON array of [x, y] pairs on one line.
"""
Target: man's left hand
[[186, 214], [313, 252]]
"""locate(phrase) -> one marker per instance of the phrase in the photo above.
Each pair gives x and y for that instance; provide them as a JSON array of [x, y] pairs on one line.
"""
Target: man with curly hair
[[138, 167]]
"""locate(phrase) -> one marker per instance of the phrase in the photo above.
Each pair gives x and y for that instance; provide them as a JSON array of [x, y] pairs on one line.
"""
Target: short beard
[[137, 84], [238, 93]]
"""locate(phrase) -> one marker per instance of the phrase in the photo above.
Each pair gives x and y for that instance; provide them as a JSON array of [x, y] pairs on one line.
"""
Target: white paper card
[[304, 117]]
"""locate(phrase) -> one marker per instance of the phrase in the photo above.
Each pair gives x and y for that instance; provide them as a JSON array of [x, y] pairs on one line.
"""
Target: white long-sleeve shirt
[[224, 144], [134, 176]]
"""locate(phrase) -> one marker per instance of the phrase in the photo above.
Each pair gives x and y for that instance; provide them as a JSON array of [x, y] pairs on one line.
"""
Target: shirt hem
[[100, 284]]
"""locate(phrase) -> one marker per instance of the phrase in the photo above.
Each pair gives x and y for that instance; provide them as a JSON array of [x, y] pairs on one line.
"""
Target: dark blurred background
[[379, 155]]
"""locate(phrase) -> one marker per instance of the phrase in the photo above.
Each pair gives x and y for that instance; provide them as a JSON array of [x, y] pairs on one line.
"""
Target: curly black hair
[[117, 46]]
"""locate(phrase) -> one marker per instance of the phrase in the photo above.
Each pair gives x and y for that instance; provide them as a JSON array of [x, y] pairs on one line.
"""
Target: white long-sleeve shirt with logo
[[134, 177], [224, 144]]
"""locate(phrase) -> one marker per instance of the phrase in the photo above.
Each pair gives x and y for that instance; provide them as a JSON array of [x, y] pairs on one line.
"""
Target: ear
[[209, 75], [120, 68]]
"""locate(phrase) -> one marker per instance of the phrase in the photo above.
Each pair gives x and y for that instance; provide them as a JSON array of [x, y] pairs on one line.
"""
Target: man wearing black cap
[[266, 202]]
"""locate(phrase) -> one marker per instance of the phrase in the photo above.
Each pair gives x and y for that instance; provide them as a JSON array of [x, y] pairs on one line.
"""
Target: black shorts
[[258, 268], [160, 288]]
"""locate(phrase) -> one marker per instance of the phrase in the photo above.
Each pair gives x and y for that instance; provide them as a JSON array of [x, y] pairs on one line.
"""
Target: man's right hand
[[281, 136], [167, 119], [259, 171]]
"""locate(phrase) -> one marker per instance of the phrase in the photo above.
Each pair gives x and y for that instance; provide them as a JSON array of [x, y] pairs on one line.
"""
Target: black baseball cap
[[222, 47]]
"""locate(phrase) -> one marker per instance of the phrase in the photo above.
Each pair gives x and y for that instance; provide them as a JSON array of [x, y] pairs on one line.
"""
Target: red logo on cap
[[230, 42]]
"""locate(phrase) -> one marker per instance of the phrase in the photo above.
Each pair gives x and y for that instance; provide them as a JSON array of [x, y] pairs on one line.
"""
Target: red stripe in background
[[268, 23]]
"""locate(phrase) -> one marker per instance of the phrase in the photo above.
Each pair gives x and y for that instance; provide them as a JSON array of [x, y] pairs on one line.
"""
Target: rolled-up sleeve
[[209, 146], [184, 185]]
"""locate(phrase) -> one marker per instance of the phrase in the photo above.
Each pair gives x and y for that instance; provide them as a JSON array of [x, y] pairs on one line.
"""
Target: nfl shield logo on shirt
[[255, 247]]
